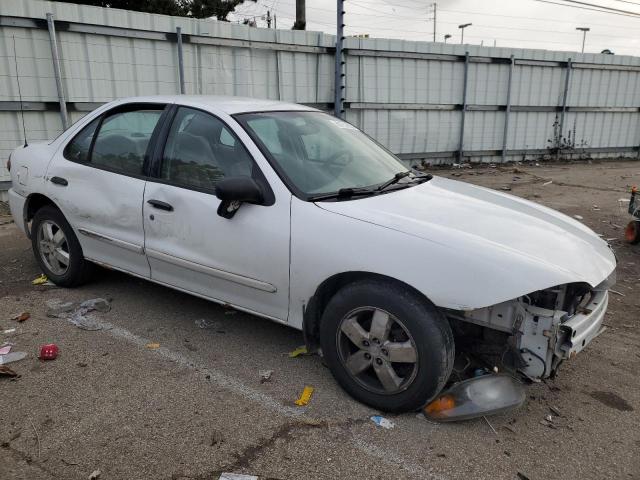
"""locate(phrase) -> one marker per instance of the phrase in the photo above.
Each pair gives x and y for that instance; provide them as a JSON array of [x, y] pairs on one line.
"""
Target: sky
[[509, 23]]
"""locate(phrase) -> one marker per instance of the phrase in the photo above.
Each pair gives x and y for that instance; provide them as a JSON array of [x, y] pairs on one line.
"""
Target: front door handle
[[59, 181], [160, 205]]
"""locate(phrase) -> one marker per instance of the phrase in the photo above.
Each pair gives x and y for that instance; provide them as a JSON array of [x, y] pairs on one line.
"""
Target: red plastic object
[[48, 351]]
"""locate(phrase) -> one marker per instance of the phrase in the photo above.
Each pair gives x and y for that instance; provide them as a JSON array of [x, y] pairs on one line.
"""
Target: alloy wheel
[[53, 247], [377, 350]]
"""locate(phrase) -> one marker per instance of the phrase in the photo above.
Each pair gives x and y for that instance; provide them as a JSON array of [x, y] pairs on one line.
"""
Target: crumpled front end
[[533, 334]]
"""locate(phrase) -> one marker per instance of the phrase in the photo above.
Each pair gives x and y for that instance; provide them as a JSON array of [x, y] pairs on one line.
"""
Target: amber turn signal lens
[[446, 402]]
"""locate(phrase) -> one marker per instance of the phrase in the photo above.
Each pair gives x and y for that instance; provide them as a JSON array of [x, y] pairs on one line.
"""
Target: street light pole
[[584, 31], [446, 37], [462, 27]]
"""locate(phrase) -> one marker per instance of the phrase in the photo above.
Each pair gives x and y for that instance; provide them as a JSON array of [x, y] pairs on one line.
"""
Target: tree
[[183, 8]]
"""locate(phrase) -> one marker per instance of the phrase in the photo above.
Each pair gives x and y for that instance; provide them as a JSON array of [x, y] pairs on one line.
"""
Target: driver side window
[[201, 150]]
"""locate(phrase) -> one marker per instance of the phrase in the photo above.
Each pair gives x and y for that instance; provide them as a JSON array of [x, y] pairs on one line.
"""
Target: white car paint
[[484, 246], [463, 247]]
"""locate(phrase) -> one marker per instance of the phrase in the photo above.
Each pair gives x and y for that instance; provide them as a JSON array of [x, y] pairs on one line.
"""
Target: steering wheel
[[346, 155]]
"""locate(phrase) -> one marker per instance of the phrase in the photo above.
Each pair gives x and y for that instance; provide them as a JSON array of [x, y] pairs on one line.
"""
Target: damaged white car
[[293, 215]]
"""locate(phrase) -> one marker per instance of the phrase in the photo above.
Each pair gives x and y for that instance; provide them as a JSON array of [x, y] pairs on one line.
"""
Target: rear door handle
[[59, 181], [160, 205]]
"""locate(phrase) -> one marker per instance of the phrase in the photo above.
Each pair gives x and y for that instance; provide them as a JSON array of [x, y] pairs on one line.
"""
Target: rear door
[[242, 260], [98, 181]]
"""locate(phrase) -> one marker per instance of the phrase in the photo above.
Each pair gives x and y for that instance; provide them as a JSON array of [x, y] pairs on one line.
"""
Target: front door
[[243, 260], [98, 182]]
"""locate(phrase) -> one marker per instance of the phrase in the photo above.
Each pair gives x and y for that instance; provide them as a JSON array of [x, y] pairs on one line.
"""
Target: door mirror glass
[[234, 191]]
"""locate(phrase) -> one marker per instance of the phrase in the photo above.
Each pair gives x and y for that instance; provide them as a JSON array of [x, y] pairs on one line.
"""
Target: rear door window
[[122, 141]]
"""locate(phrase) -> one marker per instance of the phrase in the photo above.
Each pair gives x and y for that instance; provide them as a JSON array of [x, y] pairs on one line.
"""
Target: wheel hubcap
[[53, 247], [377, 350]]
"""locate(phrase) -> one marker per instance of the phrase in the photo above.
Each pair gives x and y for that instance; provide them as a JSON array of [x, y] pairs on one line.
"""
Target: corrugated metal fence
[[425, 101]]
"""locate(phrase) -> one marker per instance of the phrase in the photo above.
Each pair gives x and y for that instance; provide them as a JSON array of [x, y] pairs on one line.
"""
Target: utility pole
[[268, 19], [338, 88], [584, 31], [301, 19], [275, 21], [462, 27], [435, 6]]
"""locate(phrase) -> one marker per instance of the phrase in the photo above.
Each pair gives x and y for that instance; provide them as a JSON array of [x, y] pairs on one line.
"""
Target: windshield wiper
[[343, 194], [346, 193], [421, 176], [396, 178]]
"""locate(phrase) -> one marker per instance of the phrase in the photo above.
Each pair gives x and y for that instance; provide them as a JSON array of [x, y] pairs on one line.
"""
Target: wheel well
[[35, 202], [327, 289]]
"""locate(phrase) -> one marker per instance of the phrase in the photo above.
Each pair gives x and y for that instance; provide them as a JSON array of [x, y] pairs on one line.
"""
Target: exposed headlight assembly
[[477, 397]]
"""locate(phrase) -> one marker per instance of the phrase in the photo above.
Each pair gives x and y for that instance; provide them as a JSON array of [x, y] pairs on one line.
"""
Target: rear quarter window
[[78, 149]]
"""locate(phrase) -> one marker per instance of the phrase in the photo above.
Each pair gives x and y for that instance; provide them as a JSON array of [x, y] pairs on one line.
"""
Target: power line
[[386, 16], [626, 1], [601, 6], [586, 8]]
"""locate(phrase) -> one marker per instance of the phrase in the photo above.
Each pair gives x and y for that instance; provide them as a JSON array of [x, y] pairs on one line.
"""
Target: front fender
[[324, 244]]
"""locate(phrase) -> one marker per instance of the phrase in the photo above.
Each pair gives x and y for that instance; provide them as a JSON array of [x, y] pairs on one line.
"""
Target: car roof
[[228, 104]]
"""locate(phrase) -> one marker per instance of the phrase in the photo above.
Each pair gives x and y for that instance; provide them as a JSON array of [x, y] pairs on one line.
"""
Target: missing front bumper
[[540, 339]]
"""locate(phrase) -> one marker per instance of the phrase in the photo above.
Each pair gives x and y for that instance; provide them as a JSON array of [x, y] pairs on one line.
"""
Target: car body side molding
[[215, 272], [120, 243]]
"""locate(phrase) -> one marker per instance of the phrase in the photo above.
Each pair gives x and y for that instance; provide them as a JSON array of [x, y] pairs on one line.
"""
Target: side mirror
[[235, 191]]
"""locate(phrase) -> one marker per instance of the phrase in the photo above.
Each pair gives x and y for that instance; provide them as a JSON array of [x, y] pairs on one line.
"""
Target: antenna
[[15, 60]]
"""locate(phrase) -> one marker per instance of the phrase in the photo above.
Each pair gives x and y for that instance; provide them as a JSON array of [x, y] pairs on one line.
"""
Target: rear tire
[[386, 345], [57, 249], [632, 232]]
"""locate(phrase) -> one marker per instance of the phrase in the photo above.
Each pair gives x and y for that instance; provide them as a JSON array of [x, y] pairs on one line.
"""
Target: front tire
[[57, 249], [386, 345]]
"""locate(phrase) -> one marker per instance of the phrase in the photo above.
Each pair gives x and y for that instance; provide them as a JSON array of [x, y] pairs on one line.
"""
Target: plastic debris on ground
[[236, 476], [12, 357], [21, 317], [265, 375], [152, 346], [578, 217], [6, 348], [7, 372], [305, 397], [9, 330], [302, 350], [95, 475], [383, 422], [204, 323], [41, 280], [79, 314], [48, 351]]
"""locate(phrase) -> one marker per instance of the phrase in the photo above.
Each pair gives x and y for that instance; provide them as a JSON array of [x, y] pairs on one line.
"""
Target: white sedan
[[293, 215]]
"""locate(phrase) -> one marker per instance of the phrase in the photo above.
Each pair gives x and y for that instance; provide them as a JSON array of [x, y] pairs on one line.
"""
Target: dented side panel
[[105, 210]]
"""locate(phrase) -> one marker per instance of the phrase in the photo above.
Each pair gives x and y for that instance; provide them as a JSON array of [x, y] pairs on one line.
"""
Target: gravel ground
[[195, 407]]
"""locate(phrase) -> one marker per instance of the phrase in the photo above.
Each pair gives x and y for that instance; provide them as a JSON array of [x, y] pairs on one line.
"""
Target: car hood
[[480, 222]]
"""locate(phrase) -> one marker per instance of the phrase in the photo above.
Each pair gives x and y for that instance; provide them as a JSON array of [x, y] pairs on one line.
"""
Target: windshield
[[319, 153]]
